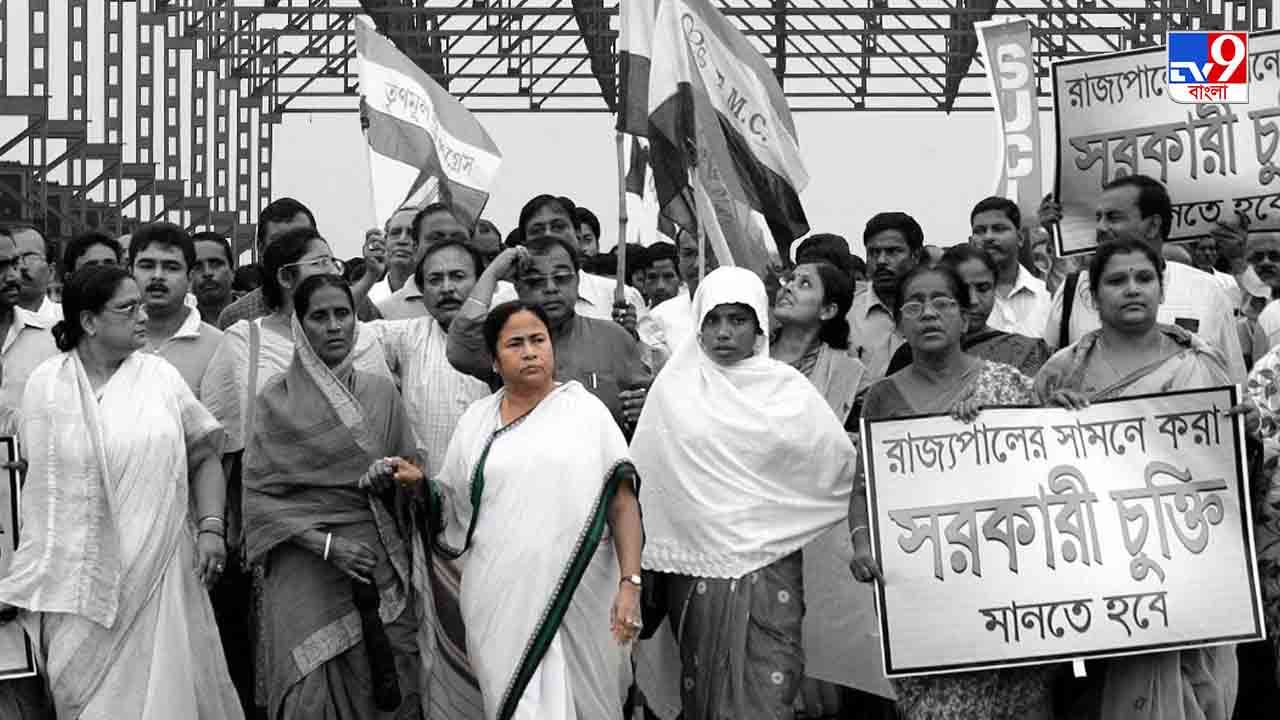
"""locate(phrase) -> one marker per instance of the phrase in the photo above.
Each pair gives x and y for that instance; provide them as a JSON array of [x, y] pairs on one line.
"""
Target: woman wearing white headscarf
[[748, 464]]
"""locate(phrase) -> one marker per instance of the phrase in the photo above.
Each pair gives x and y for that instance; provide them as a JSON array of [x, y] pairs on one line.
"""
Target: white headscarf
[[740, 465]]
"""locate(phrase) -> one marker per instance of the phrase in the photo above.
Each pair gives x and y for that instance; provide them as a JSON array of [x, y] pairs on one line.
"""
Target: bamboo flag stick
[[620, 282]]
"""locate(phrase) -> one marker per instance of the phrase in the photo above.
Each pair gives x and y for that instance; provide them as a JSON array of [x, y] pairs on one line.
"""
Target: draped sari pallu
[[316, 433], [531, 511], [104, 567]]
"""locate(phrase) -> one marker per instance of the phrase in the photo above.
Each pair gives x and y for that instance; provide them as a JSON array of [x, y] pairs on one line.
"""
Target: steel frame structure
[[153, 109]]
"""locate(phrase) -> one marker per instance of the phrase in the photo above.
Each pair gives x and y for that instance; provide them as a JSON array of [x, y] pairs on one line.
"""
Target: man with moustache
[[37, 258], [211, 276], [1138, 207], [1021, 299], [894, 243], [161, 256], [433, 225], [27, 337]]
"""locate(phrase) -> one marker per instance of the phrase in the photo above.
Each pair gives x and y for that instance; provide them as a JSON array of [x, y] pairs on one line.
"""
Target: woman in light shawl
[[339, 616], [931, 311], [538, 490], [114, 563], [748, 465], [1131, 354]]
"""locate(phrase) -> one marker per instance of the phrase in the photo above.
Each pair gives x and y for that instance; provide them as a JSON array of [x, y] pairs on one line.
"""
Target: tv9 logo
[[1208, 67]]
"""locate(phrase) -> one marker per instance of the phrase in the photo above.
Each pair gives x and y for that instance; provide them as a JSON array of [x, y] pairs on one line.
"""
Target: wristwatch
[[634, 580]]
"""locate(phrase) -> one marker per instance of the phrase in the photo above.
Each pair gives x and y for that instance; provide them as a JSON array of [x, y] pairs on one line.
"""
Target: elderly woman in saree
[[931, 309], [550, 530], [978, 270], [111, 573], [1132, 354], [338, 616], [749, 465]]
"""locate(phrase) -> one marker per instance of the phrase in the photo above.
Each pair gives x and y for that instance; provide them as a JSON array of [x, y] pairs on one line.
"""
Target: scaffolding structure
[[124, 111]]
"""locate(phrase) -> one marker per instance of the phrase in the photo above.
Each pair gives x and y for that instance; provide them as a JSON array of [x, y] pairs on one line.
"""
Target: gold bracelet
[[857, 528]]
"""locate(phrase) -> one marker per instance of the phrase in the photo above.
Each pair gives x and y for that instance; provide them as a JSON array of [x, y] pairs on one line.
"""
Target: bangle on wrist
[[856, 528], [328, 541], [206, 531]]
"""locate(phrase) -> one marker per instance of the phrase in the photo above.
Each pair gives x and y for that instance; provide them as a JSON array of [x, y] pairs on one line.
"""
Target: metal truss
[[189, 93]]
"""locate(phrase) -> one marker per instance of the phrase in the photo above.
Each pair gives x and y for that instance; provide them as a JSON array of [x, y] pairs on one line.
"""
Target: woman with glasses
[[122, 519], [930, 310], [1132, 354], [255, 351]]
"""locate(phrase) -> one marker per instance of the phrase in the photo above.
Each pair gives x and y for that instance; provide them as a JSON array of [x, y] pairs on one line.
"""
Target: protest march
[[747, 468]]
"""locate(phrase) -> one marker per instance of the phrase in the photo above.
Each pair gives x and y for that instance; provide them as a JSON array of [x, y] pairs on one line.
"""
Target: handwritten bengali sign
[[1114, 118], [1038, 535], [17, 659]]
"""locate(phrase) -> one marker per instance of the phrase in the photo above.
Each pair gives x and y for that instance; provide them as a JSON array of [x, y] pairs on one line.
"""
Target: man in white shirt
[[27, 341], [894, 242], [1022, 301], [1263, 255], [36, 262], [402, 253], [1138, 207]]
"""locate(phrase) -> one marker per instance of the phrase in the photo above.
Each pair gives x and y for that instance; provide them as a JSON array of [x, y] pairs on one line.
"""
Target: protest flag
[[635, 47], [424, 145], [1011, 75], [721, 137]]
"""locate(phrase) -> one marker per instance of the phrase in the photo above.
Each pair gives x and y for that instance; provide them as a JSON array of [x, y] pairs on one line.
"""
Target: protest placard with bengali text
[[1045, 535], [1115, 118]]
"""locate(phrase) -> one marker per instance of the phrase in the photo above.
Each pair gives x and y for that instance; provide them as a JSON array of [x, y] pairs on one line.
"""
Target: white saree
[[105, 571], [528, 502]]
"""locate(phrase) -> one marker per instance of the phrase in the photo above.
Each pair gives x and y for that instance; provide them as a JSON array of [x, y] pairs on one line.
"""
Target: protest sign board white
[[16, 657], [1041, 535], [1114, 117]]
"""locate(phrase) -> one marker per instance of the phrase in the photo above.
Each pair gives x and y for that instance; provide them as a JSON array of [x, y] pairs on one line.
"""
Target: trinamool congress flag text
[[424, 145], [716, 111]]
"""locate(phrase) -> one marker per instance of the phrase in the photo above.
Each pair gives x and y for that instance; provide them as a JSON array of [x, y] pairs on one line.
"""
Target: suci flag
[[424, 146], [716, 111], [1011, 75]]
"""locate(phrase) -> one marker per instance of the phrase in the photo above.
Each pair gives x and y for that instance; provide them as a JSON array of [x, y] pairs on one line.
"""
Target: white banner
[[1042, 535]]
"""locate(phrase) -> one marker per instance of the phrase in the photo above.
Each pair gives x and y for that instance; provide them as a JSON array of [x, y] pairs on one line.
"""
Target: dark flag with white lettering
[[716, 112], [635, 46]]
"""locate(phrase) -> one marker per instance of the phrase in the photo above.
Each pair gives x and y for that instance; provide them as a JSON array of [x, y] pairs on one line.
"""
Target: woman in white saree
[[110, 576], [536, 480]]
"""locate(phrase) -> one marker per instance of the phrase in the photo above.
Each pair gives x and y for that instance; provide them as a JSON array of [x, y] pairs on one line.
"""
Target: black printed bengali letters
[[1206, 139], [1027, 621], [1110, 437], [1204, 426], [1141, 83], [1011, 522], [983, 444], [1196, 501]]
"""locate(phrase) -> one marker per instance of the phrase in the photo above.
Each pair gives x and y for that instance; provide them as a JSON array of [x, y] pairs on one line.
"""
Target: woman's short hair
[[88, 290], [312, 285], [957, 255], [837, 288], [498, 317], [946, 272], [285, 249], [1108, 250]]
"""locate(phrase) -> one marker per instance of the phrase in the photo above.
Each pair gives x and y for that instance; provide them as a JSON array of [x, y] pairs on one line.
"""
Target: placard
[[1043, 535], [1114, 117], [17, 658]]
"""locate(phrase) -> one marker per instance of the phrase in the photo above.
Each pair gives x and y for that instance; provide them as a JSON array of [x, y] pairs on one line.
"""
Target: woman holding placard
[[931, 314], [1131, 354]]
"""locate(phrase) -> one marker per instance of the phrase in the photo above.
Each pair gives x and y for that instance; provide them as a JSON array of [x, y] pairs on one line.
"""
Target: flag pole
[[620, 282]]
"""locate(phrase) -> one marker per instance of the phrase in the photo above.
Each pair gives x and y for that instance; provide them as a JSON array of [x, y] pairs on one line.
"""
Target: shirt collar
[[190, 327], [873, 301], [1025, 281], [26, 318]]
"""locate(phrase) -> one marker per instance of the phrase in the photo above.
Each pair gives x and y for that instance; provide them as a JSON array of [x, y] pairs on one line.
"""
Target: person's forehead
[[886, 238], [447, 258], [439, 219], [99, 249], [928, 283], [329, 297], [317, 248], [549, 212], [521, 324], [992, 217], [401, 218], [663, 264], [298, 220], [28, 240], [1267, 241], [209, 247], [1126, 261], [8, 246], [158, 251], [555, 257], [1118, 198]]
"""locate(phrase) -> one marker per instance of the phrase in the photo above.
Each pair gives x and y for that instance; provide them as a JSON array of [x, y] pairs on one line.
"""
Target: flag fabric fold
[[1011, 75], [424, 145], [722, 142], [635, 47]]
